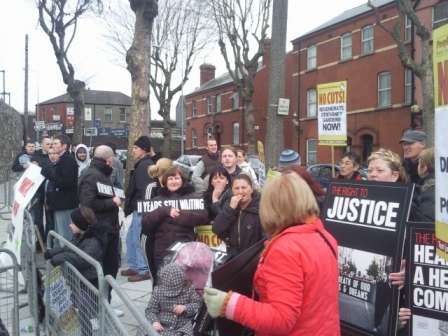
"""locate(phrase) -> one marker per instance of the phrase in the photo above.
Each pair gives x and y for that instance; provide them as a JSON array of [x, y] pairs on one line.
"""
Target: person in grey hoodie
[[82, 157]]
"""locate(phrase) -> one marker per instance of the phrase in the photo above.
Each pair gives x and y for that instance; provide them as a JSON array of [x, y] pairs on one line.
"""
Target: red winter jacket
[[297, 284]]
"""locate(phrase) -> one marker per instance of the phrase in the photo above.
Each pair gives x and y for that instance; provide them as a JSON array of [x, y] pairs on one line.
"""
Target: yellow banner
[[332, 113], [440, 64]]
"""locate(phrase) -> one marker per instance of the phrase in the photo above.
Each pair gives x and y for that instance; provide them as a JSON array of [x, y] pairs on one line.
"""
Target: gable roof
[[94, 97], [344, 16], [213, 83]]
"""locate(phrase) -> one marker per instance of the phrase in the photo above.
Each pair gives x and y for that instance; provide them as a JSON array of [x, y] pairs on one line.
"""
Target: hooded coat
[[93, 242], [163, 230], [423, 205], [239, 228], [82, 164], [171, 290]]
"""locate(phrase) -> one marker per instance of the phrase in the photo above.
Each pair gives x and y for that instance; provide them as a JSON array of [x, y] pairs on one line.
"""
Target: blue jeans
[[62, 220], [136, 260]]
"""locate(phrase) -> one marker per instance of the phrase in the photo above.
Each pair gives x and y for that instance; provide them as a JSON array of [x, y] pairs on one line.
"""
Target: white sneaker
[[118, 312]]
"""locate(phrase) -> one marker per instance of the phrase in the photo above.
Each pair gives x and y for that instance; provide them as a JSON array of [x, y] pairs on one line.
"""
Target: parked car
[[322, 173], [187, 163]]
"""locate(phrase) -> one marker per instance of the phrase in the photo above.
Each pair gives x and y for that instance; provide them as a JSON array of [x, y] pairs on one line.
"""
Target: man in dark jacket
[[23, 159], [138, 182], [96, 192], [413, 142], [64, 177], [206, 165]]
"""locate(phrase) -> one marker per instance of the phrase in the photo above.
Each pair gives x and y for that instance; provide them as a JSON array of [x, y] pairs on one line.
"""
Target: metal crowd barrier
[[144, 327], [9, 294], [7, 181], [29, 268]]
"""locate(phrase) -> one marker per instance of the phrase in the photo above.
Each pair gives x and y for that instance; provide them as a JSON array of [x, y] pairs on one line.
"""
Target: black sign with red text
[[368, 221]]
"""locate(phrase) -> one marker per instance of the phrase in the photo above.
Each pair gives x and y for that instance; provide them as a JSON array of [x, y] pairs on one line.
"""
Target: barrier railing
[[7, 181], [144, 327], [9, 294]]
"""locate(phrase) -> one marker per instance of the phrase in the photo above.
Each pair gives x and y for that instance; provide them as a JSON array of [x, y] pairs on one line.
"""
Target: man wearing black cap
[[139, 179], [412, 142]]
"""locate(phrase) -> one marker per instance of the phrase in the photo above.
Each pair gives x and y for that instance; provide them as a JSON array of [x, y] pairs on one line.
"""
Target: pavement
[[139, 293]]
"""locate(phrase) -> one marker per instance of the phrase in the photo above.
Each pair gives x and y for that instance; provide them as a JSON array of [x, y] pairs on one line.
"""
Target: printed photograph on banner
[[428, 289], [364, 289]]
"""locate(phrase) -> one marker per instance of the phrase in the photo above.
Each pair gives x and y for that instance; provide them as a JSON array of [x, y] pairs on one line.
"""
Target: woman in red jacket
[[297, 277]]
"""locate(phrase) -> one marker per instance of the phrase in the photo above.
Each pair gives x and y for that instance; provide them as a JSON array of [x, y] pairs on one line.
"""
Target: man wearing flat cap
[[413, 142], [139, 180]]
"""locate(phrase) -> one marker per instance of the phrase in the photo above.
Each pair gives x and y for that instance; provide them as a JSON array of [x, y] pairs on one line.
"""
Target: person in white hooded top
[[82, 157]]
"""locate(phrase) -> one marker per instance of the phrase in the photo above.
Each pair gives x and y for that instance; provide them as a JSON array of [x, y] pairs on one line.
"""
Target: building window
[[209, 104], [311, 57], [367, 40], [408, 79], [384, 89], [311, 151], [70, 110], [218, 103], [194, 138], [209, 132], [194, 109], [88, 114], [123, 114], [236, 133], [367, 146], [346, 46], [235, 101], [440, 14], [55, 115], [311, 103], [407, 29], [108, 114]]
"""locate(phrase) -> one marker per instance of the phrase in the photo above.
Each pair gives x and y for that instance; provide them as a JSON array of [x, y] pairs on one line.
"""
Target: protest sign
[[206, 236], [24, 190], [428, 283], [192, 203], [440, 64], [368, 221], [332, 113]]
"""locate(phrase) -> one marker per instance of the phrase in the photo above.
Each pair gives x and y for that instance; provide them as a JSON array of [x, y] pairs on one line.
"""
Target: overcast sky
[[92, 57]]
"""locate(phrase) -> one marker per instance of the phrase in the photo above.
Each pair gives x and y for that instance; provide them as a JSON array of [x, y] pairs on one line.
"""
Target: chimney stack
[[207, 73]]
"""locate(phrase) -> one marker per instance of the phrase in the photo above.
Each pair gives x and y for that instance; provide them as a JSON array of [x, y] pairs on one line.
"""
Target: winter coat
[[239, 228], [172, 289], [214, 208], [117, 176], [64, 176], [41, 158], [20, 161], [138, 181], [95, 198], [247, 169], [93, 242], [355, 177], [297, 285], [411, 168], [82, 164], [423, 205], [164, 230]]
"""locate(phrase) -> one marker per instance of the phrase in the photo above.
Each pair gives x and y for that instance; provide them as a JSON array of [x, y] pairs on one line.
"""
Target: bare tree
[[242, 27], [138, 61], [59, 20], [421, 68], [179, 34]]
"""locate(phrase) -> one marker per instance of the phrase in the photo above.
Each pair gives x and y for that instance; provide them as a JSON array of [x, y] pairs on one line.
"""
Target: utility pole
[[4, 93], [25, 100], [274, 128]]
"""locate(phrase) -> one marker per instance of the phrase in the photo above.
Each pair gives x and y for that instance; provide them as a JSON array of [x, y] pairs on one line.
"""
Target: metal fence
[[7, 181], [9, 294]]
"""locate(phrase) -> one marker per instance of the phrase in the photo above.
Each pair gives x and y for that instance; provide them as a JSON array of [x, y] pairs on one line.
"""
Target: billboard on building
[[332, 113], [440, 63]]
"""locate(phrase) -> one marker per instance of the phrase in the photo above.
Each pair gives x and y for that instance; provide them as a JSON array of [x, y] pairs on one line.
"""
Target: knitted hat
[[144, 143], [171, 280], [79, 220], [413, 136], [289, 157]]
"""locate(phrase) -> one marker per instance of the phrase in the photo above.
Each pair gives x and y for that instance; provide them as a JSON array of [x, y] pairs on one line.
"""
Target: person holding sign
[[238, 224], [167, 224], [297, 275]]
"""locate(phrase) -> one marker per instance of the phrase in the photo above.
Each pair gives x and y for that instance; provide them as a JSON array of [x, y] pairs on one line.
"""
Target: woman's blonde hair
[[392, 160], [157, 170], [426, 158], [286, 200]]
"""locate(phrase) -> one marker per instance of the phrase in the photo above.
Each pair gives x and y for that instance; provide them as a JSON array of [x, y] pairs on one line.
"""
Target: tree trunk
[[138, 61], [76, 92], [428, 93], [167, 135], [249, 125]]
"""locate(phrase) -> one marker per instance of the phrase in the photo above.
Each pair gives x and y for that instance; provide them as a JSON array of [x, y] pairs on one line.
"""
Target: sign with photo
[[428, 283], [368, 221]]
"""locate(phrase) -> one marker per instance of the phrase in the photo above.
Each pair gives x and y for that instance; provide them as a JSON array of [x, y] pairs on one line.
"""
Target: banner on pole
[[332, 113]]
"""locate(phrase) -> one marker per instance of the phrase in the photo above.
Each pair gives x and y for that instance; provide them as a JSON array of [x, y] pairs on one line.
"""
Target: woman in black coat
[[218, 191], [238, 224], [167, 225]]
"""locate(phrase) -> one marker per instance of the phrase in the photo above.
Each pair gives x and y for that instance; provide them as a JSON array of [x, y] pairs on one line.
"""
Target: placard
[[192, 203], [368, 221], [428, 283]]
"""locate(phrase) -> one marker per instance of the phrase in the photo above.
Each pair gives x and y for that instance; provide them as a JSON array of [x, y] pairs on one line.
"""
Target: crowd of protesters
[[296, 280]]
